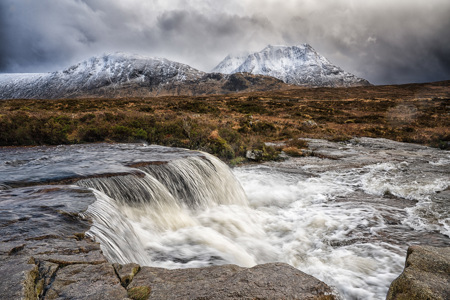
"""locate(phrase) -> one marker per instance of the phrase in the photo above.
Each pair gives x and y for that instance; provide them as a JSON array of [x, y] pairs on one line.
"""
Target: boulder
[[255, 155], [426, 275]]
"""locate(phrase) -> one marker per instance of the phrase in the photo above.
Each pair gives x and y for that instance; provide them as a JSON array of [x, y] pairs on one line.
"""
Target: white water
[[311, 231], [347, 223]]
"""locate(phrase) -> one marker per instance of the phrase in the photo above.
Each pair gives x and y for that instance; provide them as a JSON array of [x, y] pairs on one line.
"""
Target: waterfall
[[133, 211], [199, 181], [116, 235]]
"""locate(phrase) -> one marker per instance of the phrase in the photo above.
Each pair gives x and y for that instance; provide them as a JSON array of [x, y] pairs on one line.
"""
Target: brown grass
[[228, 125]]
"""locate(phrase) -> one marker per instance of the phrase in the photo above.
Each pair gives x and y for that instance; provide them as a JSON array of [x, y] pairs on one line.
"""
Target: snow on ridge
[[108, 70], [6, 78], [300, 65], [121, 63]]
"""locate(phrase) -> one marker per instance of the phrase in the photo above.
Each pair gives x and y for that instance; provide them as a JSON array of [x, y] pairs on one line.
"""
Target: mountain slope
[[299, 65], [123, 75]]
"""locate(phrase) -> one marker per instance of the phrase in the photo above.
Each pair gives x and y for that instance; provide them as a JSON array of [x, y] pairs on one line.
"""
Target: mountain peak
[[299, 65]]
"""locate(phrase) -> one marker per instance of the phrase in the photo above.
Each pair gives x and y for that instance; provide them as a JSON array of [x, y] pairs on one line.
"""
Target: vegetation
[[229, 126]]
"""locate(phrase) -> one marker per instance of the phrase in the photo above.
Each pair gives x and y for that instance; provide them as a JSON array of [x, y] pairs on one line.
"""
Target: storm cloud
[[383, 41]]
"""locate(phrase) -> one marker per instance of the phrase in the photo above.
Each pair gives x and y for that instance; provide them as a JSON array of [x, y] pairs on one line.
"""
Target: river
[[344, 214]]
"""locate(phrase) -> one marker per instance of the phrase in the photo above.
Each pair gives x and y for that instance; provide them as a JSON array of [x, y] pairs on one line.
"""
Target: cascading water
[[138, 216]]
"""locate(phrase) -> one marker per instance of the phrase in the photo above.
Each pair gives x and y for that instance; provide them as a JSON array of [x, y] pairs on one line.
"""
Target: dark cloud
[[383, 41]]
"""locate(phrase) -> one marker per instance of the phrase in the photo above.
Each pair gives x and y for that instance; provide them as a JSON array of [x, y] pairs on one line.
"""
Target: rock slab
[[267, 281], [426, 275]]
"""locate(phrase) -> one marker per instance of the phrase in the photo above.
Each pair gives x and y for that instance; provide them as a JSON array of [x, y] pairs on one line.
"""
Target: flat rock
[[86, 282], [426, 275], [267, 281]]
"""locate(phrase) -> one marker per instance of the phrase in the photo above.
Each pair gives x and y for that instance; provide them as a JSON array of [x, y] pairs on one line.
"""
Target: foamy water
[[327, 239]]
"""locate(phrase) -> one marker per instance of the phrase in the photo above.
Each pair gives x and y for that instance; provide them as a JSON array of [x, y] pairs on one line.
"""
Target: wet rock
[[37, 239], [66, 251], [268, 281], [86, 282], [11, 248], [426, 275]]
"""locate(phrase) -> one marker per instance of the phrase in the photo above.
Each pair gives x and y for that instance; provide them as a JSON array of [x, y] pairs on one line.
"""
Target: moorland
[[230, 125]]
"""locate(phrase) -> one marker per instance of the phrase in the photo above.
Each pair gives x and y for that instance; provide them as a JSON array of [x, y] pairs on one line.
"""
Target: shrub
[[140, 134], [219, 146], [121, 133], [263, 127], [93, 134]]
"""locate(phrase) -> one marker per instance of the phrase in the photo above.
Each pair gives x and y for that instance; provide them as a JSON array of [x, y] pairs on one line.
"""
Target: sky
[[383, 41]]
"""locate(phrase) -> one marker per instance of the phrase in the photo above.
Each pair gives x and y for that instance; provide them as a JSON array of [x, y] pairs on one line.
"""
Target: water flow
[[163, 216], [347, 222], [198, 181]]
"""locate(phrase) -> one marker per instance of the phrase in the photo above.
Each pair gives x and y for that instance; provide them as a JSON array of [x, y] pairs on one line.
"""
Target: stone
[[86, 282], [309, 124], [267, 281], [255, 155], [426, 275]]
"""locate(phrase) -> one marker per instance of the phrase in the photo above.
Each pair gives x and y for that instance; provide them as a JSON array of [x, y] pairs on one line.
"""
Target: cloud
[[383, 41]]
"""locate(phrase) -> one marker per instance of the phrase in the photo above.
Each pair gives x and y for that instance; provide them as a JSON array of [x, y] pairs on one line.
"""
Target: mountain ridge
[[125, 75], [120, 75], [300, 65]]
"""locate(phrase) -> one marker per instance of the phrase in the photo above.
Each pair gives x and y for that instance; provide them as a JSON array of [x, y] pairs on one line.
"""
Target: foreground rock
[[44, 254], [268, 281], [426, 275]]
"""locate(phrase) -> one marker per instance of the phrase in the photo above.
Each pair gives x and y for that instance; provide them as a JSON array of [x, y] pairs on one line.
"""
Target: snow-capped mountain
[[299, 65], [108, 71], [119, 75]]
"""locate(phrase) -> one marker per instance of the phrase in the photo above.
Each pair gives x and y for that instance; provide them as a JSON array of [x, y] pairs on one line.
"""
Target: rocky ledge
[[426, 275], [44, 254]]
